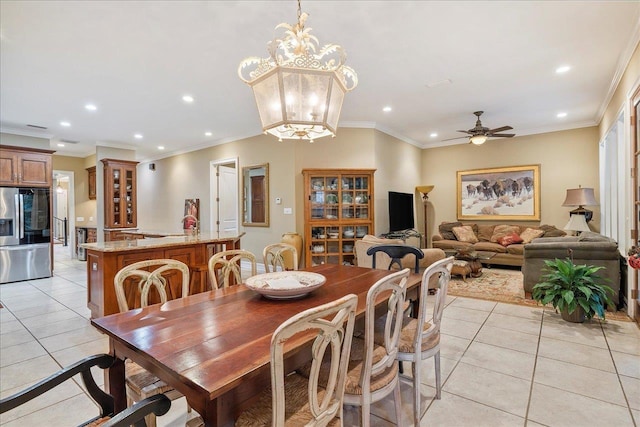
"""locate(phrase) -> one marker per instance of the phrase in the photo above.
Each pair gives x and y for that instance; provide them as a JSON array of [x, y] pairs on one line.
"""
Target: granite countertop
[[136, 244], [157, 233]]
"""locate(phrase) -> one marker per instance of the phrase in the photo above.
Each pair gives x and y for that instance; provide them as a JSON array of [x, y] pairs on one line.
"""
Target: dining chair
[[373, 370], [297, 400], [133, 284], [158, 404], [418, 344], [396, 253], [274, 256], [225, 267]]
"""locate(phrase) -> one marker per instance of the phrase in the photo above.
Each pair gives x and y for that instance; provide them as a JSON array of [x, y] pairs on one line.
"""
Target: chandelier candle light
[[299, 92]]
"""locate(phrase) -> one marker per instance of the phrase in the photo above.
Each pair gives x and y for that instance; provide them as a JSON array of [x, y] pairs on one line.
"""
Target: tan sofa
[[511, 254], [383, 260]]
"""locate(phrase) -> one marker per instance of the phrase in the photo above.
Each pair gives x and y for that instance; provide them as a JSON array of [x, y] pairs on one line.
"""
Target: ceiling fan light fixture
[[478, 139], [299, 92]]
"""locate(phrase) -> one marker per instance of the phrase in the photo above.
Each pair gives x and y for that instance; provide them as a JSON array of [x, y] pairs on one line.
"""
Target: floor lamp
[[425, 190]]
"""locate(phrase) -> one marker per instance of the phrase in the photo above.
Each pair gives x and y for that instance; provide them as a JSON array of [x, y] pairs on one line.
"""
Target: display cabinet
[[120, 193], [338, 211], [91, 175]]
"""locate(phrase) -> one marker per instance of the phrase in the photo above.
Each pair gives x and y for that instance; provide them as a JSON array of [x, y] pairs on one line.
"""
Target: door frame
[[71, 209], [214, 224]]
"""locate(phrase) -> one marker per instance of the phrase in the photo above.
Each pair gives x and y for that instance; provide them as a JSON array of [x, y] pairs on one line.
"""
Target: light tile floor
[[502, 365]]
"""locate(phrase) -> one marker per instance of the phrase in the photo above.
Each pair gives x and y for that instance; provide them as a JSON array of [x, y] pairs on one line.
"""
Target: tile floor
[[502, 365]]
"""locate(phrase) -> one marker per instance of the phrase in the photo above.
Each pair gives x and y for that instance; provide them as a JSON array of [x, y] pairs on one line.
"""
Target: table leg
[[114, 384]]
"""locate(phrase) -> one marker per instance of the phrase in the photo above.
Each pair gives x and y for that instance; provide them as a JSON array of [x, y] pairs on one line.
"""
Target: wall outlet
[[278, 201], [79, 219], [288, 211], [90, 218]]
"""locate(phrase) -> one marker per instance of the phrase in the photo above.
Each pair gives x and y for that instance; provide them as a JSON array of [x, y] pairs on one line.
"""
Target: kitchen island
[[105, 259]]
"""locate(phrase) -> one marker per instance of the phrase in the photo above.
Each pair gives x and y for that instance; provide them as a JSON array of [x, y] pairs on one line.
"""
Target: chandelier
[[299, 92]]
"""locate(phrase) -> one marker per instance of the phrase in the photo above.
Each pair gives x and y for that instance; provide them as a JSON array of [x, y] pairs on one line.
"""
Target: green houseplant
[[576, 291]]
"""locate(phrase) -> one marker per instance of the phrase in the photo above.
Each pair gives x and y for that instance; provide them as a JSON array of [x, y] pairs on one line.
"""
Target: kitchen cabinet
[[92, 182], [338, 211], [120, 194], [25, 167]]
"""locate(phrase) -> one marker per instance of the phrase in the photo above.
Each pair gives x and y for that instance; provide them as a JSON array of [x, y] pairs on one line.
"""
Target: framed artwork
[[191, 217], [508, 193]]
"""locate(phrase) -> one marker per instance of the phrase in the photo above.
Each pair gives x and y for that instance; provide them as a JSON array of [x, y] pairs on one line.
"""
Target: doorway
[[64, 209], [224, 195]]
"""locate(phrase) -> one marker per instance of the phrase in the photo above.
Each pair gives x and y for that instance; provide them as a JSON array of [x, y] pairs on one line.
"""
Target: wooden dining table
[[214, 347]]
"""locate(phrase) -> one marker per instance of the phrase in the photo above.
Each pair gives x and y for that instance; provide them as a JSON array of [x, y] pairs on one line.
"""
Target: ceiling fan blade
[[502, 135], [451, 139], [496, 130], [465, 131]]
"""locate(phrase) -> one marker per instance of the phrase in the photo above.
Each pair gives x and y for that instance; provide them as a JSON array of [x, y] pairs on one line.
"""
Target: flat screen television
[[400, 211]]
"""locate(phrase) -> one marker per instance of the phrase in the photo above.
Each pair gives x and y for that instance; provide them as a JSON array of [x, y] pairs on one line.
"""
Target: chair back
[[395, 288], [274, 255], [442, 270], [145, 281], [334, 325], [225, 267], [396, 253]]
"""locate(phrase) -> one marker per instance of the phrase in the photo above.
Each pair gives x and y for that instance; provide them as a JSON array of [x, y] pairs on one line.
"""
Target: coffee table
[[474, 259]]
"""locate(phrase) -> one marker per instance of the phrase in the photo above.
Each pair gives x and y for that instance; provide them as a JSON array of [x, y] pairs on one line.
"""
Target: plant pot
[[577, 316]]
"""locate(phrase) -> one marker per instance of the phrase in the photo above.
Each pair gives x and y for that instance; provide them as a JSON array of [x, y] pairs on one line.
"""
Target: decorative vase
[[295, 240], [577, 316], [634, 262]]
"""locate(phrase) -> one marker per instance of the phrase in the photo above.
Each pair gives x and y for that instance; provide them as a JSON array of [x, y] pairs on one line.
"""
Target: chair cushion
[[297, 411], [489, 247], [142, 382], [405, 345], [516, 249]]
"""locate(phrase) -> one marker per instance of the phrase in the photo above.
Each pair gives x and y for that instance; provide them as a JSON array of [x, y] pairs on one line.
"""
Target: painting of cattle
[[508, 193]]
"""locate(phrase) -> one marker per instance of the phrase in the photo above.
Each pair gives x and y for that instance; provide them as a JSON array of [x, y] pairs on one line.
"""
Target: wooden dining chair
[[396, 253], [297, 400], [274, 256], [158, 404], [225, 267], [373, 370], [133, 285], [418, 344]]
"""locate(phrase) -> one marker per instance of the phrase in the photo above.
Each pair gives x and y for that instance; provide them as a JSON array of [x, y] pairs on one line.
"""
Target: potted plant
[[577, 291]]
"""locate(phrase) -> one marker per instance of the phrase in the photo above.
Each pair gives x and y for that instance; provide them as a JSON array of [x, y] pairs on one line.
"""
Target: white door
[[224, 196]]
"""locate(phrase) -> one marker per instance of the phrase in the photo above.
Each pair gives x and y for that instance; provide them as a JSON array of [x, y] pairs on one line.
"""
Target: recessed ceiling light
[[188, 99], [65, 124], [561, 115], [386, 109], [208, 134], [60, 145], [90, 107], [434, 134], [160, 147], [137, 136], [562, 69]]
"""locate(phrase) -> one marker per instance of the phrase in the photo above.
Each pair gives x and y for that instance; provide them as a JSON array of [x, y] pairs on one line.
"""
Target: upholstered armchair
[[588, 248]]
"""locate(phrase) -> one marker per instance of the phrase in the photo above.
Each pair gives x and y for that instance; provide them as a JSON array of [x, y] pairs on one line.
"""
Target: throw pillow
[[485, 232], [529, 234], [503, 230], [446, 230], [552, 231], [465, 234], [509, 239]]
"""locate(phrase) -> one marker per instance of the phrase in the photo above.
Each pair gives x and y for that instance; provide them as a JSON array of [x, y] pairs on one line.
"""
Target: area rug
[[503, 285]]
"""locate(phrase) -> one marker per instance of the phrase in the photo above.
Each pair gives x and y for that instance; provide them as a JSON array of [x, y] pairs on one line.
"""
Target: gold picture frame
[[506, 193]]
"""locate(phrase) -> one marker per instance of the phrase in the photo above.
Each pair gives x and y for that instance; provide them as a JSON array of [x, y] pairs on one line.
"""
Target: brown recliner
[[588, 248]]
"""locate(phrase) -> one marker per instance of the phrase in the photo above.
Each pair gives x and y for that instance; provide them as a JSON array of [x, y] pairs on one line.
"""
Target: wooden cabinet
[[92, 182], [338, 211], [113, 235], [120, 194], [26, 167]]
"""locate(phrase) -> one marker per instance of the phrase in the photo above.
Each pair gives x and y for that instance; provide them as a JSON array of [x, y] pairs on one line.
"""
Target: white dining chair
[[274, 256], [225, 267]]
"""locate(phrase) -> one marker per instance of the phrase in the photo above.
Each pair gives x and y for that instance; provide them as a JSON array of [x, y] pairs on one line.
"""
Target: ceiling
[[434, 63]]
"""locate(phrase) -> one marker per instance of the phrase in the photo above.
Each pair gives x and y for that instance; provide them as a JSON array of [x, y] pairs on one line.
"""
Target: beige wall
[[630, 77], [84, 207], [568, 159]]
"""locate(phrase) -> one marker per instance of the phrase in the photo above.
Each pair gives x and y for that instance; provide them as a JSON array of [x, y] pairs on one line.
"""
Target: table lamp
[[577, 223], [580, 197], [425, 190]]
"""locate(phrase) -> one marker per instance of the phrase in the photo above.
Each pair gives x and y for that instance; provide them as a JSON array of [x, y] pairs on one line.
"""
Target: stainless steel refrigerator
[[25, 233]]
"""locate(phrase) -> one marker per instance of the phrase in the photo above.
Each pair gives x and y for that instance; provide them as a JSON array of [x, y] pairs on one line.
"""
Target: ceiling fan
[[479, 134]]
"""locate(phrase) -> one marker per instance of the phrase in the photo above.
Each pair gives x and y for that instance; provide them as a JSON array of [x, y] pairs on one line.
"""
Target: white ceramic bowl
[[348, 233]]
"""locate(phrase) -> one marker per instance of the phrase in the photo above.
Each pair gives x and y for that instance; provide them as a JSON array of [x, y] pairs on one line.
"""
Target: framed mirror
[[255, 200]]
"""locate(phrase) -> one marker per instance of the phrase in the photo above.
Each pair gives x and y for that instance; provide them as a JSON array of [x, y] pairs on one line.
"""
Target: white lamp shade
[[580, 197], [577, 223]]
